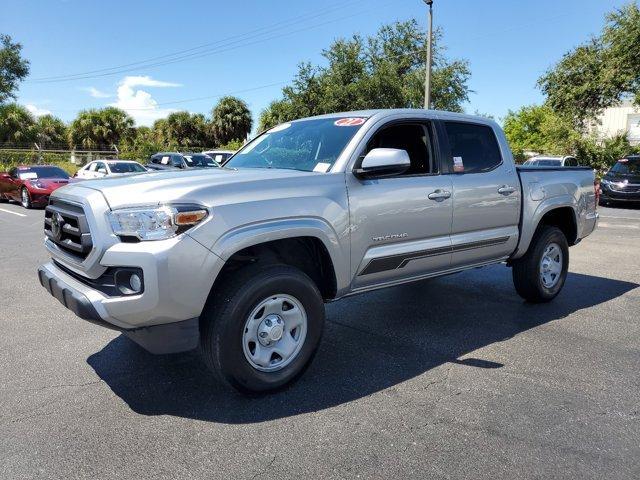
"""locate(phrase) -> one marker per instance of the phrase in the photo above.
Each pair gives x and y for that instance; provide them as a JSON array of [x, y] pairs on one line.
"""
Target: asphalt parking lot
[[449, 378]]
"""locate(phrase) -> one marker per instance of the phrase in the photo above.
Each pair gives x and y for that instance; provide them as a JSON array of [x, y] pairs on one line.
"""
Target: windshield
[[126, 168], [41, 172], [200, 161], [627, 166], [308, 145]]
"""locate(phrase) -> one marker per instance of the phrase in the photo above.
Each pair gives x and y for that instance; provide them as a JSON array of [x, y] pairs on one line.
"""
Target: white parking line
[[618, 225], [14, 213], [623, 218]]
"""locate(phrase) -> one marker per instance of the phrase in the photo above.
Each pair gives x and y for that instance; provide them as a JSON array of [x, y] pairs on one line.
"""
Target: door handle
[[506, 190], [439, 195]]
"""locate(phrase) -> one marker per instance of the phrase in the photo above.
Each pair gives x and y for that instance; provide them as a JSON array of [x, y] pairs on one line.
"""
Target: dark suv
[[622, 181]]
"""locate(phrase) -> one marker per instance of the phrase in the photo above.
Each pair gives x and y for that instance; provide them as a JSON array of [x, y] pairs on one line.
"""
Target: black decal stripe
[[393, 262]]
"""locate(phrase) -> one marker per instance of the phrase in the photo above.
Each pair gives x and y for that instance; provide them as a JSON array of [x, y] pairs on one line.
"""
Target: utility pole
[[427, 83]]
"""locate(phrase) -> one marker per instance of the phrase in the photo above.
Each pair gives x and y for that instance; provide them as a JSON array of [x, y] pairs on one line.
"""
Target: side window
[[92, 167], [571, 162], [474, 148], [155, 159], [176, 160], [411, 137], [13, 173], [100, 167]]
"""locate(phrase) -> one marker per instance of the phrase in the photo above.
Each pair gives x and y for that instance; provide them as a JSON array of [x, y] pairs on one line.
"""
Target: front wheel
[[25, 198], [263, 328], [540, 274]]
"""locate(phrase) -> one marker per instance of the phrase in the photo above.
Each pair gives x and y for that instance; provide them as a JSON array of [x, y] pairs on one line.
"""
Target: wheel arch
[[558, 213], [309, 244]]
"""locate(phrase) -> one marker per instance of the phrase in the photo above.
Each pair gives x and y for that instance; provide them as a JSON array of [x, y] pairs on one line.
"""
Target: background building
[[624, 119]]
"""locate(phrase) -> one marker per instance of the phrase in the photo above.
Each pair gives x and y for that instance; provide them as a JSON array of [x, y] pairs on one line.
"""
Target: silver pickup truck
[[239, 261]]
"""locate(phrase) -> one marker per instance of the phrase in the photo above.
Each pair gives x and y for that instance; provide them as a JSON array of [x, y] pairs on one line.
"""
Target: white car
[[104, 168], [567, 161], [220, 156]]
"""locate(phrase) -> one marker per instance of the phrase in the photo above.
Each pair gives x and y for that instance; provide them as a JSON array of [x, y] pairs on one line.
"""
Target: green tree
[[13, 68], [386, 70], [539, 129], [50, 132], [182, 130], [602, 154], [599, 73], [230, 120], [17, 125], [101, 128], [141, 145]]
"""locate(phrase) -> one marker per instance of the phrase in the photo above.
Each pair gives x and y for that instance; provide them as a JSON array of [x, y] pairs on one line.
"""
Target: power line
[[182, 55]]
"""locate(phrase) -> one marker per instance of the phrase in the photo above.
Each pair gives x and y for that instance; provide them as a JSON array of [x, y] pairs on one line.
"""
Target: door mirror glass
[[384, 162]]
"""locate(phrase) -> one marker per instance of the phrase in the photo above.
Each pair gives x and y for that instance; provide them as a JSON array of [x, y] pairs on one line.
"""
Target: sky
[[154, 57]]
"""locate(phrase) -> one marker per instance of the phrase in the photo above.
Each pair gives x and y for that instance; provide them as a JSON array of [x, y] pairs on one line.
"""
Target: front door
[[400, 225]]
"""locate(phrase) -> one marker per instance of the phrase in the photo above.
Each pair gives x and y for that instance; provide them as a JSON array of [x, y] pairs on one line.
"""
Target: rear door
[[400, 225], [486, 194]]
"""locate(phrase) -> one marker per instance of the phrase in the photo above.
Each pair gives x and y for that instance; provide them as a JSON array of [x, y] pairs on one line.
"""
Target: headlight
[[155, 223], [36, 184]]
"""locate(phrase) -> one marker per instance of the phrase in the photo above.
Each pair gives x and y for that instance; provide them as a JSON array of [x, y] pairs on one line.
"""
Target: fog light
[[135, 283], [129, 281]]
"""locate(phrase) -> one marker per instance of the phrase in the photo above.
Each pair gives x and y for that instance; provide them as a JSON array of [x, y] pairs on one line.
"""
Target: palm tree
[[17, 125], [51, 131], [230, 120], [100, 128]]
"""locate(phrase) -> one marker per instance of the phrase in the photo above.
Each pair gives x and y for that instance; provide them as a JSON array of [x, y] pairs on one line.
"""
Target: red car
[[32, 185]]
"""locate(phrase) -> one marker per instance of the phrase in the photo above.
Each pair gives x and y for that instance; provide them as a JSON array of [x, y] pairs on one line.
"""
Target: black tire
[[2, 198], [223, 323], [526, 270], [26, 204]]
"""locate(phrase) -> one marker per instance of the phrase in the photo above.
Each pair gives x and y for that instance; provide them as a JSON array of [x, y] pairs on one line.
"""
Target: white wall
[[616, 120]]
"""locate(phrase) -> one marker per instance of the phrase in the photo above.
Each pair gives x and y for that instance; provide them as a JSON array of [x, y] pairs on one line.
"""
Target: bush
[[14, 158], [602, 155]]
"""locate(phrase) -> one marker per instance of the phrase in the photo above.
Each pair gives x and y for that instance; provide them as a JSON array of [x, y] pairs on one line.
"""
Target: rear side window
[[474, 148]]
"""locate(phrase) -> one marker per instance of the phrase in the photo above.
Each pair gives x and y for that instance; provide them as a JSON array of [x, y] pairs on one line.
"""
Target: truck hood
[[190, 186]]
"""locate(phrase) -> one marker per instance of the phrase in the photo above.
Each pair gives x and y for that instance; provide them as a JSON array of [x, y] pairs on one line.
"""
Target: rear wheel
[[25, 198], [264, 327], [540, 274]]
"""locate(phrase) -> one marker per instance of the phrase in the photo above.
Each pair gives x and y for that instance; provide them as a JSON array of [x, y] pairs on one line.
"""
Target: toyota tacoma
[[239, 261]]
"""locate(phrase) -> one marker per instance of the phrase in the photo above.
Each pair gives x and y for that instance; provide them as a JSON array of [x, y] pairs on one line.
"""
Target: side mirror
[[383, 162]]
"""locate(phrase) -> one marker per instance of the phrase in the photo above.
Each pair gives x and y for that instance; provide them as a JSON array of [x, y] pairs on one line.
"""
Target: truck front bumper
[[165, 338], [178, 276]]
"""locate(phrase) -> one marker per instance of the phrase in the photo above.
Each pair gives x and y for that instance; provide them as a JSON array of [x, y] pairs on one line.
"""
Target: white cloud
[[95, 93], [139, 103], [37, 112]]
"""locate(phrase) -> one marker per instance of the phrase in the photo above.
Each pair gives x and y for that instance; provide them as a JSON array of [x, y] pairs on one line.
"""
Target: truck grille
[[66, 226]]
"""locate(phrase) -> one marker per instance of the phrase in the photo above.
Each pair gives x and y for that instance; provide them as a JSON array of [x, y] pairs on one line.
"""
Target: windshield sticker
[[458, 166], [349, 122], [280, 127], [165, 160], [28, 175], [322, 167]]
